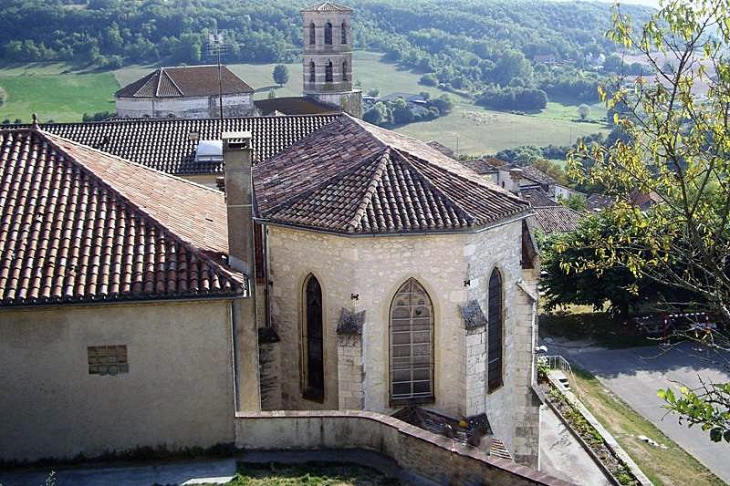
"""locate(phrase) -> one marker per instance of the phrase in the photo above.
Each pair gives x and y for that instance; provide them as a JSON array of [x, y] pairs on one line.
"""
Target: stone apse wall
[[455, 270]]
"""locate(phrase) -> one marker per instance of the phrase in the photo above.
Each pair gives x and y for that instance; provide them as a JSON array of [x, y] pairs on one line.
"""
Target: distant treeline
[[497, 50]]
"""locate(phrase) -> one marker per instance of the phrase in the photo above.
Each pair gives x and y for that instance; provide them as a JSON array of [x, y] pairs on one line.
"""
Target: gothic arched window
[[328, 34], [328, 76], [494, 335], [312, 34], [411, 344], [344, 33], [344, 71], [313, 340], [312, 72]]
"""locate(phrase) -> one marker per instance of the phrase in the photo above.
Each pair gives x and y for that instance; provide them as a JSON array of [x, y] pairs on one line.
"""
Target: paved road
[[636, 374], [562, 456]]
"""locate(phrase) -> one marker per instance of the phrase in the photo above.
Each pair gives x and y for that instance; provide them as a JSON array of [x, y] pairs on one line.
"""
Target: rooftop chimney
[[239, 200], [516, 175]]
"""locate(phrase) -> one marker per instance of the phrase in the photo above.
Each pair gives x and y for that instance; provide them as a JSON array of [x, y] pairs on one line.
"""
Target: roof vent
[[209, 151]]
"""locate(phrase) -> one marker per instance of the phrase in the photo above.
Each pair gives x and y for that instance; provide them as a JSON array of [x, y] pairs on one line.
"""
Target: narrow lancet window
[[494, 336], [313, 340]]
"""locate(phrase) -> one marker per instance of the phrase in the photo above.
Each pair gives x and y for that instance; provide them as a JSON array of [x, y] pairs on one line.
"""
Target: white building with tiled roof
[[186, 92]]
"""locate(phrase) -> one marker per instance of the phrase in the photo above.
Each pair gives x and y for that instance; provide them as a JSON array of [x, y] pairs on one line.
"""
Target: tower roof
[[178, 82], [355, 178], [82, 226], [328, 7]]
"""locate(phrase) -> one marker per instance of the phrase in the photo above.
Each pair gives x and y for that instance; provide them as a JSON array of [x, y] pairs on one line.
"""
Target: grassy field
[[310, 474], [54, 92], [664, 466], [59, 93]]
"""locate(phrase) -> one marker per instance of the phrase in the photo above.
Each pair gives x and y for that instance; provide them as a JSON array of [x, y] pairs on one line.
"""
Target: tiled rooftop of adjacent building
[[185, 81], [353, 177], [77, 225], [169, 145]]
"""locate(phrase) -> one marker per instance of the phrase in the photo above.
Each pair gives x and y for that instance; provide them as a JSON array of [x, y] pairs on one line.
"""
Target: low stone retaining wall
[[608, 439], [418, 451]]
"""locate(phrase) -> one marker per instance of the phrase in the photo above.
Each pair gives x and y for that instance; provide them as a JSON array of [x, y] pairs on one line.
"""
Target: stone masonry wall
[[350, 372], [430, 456], [188, 107], [374, 269], [453, 269], [508, 408], [476, 360]]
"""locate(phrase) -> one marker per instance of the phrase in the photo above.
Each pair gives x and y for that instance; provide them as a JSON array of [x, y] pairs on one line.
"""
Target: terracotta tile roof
[[483, 166], [77, 225], [537, 197], [166, 145], [295, 105], [536, 175], [596, 202], [556, 219], [327, 7], [178, 82], [353, 177]]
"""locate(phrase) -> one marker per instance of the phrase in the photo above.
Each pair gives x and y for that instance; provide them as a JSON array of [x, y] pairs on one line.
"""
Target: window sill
[[313, 396], [403, 402]]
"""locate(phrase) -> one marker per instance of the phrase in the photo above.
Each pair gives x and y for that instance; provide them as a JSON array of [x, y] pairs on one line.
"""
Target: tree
[[373, 92], [584, 111], [576, 202], [444, 103], [573, 272], [379, 114], [3, 96], [281, 74], [271, 95], [402, 113], [676, 148]]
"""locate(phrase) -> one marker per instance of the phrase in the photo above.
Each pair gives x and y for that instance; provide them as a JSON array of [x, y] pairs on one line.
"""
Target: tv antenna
[[217, 47]]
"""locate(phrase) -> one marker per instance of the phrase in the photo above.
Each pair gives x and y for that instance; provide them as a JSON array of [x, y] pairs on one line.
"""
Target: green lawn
[[310, 474], [44, 90], [569, 112], [664, 466], [56, 91]]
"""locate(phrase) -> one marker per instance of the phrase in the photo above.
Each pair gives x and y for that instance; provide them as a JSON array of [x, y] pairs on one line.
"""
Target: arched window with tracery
[[344, 71], [411, 344], [312, 72], [344, 33], [312, 34], [328, 76], [313, 340], [328, 34], [495, 332]]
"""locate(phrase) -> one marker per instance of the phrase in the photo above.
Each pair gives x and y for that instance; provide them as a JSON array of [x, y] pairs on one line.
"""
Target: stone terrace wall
[[420, 452]]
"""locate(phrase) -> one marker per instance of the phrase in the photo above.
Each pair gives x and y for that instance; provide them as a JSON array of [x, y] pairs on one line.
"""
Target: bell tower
[[327, 59]]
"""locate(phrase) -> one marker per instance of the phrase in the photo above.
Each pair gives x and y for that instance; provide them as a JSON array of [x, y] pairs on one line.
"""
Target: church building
[[398, 277]]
